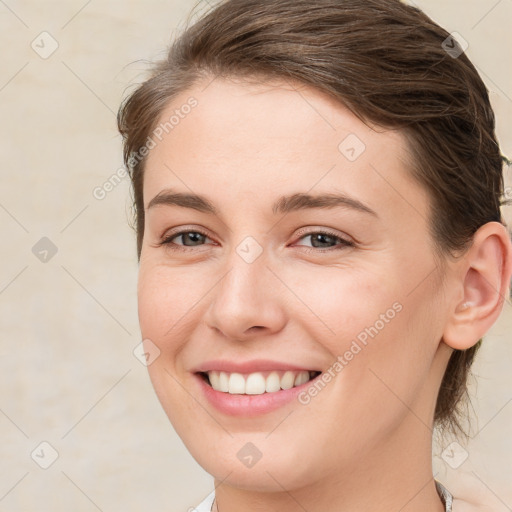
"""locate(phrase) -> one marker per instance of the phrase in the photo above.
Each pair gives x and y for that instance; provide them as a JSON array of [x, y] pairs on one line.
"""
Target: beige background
[[68, 375]]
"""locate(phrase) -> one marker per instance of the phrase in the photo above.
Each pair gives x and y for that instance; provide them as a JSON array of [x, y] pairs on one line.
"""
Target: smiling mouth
[[257, 383]]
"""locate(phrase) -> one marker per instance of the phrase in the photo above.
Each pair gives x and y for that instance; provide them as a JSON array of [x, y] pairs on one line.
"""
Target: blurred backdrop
[[80, 426]]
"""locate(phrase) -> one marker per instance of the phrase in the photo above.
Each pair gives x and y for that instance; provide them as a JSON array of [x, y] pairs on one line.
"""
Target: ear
[[485, 275]]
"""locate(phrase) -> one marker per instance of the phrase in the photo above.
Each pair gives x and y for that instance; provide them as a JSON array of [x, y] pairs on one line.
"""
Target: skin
[[370, 428]]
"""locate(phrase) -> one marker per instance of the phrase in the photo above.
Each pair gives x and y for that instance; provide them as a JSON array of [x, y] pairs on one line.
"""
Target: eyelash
[[176, 247]]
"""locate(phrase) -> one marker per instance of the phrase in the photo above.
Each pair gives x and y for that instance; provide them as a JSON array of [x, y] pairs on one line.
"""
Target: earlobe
[[485, 280]]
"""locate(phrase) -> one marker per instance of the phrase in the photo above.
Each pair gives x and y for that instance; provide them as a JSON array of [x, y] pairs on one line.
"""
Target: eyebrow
[[284, 204]]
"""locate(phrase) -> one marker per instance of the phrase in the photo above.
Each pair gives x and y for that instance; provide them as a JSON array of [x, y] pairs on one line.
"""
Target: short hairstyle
[[386, 61]]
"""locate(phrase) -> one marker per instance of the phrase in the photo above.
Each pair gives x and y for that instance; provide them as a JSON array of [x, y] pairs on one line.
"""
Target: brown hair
[[391, 65]]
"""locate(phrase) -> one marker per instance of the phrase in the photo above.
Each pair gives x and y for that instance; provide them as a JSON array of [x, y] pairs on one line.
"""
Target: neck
[[396, 476]]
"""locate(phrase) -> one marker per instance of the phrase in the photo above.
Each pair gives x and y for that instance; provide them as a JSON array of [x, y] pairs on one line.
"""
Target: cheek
[[383, 339], [166, 300], [339, 303], [166, 316], [387, 376]]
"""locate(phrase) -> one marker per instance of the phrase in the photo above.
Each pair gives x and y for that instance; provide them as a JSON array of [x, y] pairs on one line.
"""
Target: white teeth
[[223, 382], [236, 383], [287, 380], [301, 378], [273, 383], [256, 383], [214, 379]]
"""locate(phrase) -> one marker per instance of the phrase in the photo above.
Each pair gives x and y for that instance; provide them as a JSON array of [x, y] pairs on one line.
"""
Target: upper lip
[[255, 365]]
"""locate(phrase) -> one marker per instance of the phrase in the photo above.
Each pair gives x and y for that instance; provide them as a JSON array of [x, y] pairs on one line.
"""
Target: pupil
[[193, 236], [321, 236]]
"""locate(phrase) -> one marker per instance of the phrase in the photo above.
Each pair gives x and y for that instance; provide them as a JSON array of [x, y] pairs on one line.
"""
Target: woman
[[317, 195]]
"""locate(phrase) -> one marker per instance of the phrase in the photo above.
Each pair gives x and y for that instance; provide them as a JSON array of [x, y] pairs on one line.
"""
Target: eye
[[189, 239], [323, 241]]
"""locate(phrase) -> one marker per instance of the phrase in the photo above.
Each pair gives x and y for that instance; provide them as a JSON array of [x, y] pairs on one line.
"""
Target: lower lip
[[250, 405]]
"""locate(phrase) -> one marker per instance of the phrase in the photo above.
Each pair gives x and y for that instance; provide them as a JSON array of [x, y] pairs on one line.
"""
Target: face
[[264, 284]]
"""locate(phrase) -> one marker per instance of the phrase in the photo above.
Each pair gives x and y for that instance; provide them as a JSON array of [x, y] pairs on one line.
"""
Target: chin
[[259, 466]]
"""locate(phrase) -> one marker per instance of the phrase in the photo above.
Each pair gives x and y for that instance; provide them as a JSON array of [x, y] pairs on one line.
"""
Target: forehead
[[261, 139]]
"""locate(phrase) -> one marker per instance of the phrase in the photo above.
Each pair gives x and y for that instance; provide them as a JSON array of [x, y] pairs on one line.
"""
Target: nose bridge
[[240, 292], [244, 297]]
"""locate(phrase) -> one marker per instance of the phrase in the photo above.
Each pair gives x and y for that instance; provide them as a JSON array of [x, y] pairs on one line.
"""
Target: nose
[[248, 300]]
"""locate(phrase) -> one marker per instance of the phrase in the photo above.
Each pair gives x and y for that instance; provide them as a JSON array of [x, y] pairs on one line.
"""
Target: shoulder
[[461, 505], [470, 494]]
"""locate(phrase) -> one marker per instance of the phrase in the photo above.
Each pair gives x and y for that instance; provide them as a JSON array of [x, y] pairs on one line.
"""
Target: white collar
[[445, 496]]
